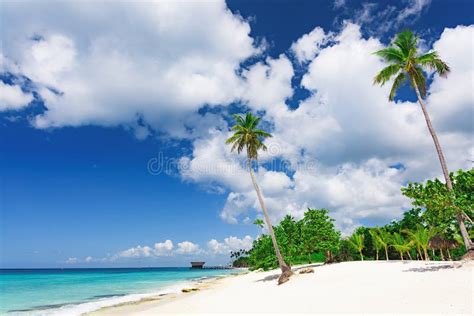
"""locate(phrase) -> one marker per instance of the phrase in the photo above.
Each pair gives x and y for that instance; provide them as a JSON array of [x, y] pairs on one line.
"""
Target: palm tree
[[401, 245], [376, 242], [247, 136], [357, 241], [407, 65], [383, 237], [421, 238]]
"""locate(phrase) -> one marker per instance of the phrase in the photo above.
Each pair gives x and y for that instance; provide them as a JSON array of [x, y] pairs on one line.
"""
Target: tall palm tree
[[357, 241], [406, 64], [383, 237], [401, 245], [376, 242], [247, 136]]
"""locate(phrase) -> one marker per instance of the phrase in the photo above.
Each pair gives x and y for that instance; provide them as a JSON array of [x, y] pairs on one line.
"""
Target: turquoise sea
[[76, 291]]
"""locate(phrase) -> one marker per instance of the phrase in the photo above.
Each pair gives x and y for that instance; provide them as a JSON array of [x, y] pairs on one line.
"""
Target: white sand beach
[[381, 287]]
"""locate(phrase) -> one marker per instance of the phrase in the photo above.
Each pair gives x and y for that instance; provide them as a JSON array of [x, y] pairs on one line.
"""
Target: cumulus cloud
[[307, 46], [340, 145], [136, 252], [163, 247], [188, 248], [349, 149], [229, 244], [268, 82], [158, 72], [13, 98]]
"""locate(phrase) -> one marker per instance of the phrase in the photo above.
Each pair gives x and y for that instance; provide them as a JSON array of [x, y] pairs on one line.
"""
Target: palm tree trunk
[[377, 255], [427, 257], [401, 255], [449, 255], [361, 256], [442, 254], [386, 253], [409, 255], [459, 216], [283, 266]]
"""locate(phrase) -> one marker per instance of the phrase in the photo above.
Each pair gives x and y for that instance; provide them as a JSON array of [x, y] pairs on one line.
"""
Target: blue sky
[[84, 110]]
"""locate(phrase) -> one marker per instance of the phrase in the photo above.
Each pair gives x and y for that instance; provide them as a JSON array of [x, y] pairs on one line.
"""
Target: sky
[[114, 116]]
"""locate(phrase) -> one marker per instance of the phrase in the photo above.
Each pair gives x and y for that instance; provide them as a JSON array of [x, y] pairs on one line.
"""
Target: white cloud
[[231, 243], [136, 252], [163, 248], [88, 259], [160, 71], [268, 83], [72, 260], [308, 45], [188, 248], [13, 98], [342, 141], [413, 9], [451, 100]]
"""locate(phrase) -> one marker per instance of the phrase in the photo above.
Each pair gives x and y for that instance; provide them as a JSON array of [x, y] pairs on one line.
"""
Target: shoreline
[[168, 293], [395, 287]]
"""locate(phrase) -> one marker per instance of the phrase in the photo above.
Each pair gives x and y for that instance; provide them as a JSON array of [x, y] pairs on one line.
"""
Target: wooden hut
[[441, 243], [197, 264]]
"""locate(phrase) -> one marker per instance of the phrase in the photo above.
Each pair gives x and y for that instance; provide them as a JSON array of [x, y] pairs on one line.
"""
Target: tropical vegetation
[[424, 232]]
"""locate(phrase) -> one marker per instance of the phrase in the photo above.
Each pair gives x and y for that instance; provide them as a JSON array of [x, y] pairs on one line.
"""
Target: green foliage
[[357, 242], [420, 238], [376, 242], [309, 239], [247, 135], [318, 232], [304, 241], [406, 64], [259, 222], [401, 245], [442, 206]]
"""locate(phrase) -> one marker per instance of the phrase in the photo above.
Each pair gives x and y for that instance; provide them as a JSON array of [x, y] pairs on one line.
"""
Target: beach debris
[[187, 290], [306, 270]]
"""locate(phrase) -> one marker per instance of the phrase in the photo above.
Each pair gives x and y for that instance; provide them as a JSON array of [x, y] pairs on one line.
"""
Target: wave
[[100, 301]]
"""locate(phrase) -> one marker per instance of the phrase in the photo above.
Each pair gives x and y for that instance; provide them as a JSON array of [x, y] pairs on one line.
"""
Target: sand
[[389, 287]]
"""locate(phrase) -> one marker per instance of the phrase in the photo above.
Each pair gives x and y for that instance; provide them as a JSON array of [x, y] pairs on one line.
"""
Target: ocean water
[[77, 291]]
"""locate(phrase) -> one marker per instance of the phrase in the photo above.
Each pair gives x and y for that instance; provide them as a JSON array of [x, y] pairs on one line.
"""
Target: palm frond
[[406, 41], [385, 74], [247, 136], [391, 54], [432, 61], [397, 83]]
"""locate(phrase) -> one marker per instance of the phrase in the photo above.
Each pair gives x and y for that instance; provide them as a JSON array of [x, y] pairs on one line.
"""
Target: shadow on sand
[[431, 268]]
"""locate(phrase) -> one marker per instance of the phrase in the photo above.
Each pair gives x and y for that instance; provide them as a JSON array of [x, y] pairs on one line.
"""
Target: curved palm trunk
[[386, 253], [377, 254], [361, 255], [283, 266], [459, 216]]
